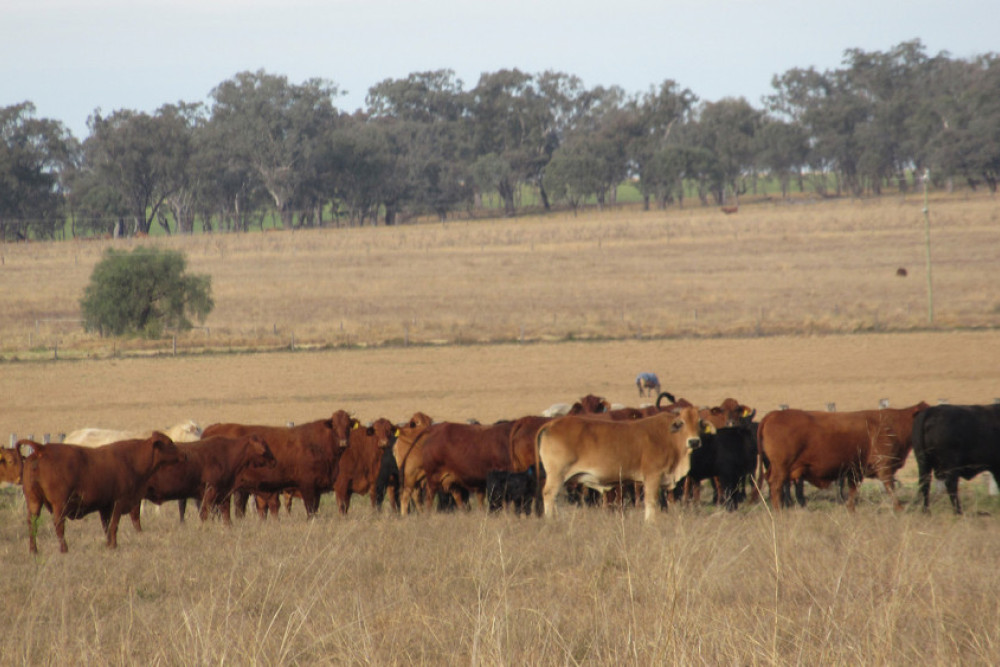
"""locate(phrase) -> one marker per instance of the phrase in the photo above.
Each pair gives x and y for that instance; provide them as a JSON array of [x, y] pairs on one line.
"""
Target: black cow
[[511, 488], [729, 456], [387, 482], [952, 441]]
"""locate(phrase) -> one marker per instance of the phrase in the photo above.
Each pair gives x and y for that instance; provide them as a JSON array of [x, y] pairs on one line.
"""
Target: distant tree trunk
[[507, 194], [544, 196]]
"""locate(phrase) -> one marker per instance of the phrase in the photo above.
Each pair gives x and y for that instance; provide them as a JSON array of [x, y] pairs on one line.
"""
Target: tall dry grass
[[594, 587], [773, 268]]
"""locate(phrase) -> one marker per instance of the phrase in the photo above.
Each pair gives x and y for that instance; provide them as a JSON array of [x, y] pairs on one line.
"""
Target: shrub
[[144, 292]]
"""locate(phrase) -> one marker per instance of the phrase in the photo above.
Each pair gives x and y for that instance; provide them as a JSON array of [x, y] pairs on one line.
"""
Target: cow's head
[[11, 465], [384, 430], [163, 451], [258, 454], [341, 424], [591, 404], [687, 428], [418, 422]]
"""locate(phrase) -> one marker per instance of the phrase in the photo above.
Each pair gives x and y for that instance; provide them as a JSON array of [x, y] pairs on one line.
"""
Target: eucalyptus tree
[[831, 114], [728, 129], [968, 142], [274, 127], [427, 123], [34, 152], [660, 110], [782, 150], [142, 157], [576, 172], [511, 123]]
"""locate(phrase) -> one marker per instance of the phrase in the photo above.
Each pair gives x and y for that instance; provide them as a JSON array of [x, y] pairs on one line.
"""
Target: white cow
[[186, 431]]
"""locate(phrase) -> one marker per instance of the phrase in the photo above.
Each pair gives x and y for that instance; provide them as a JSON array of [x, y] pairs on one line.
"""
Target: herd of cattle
[[591, 451]]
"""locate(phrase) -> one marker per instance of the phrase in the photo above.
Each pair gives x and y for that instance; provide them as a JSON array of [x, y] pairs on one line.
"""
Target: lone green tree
[[144, 292]]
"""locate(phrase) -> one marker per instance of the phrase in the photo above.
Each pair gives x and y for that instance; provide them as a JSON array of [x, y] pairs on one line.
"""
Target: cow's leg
[[134, 516], [887, 481], [404, 500], [59, 521], [34, 518], [800, 492], [553, 484], [182, 508], [951, 485], [776, 480], [240, 499], [925, 488], [651, 482], [208, 499], [310, 498], [116, 515], [263, 504], [852, 493]]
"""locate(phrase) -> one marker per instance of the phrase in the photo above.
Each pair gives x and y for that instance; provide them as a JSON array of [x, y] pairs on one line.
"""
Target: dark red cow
[[73, 481], [360, 464], [306, 458], [209, 472], [823, 447], [457, 457]]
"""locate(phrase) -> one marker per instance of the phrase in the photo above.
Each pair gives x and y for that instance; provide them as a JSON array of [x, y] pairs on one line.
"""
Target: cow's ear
[[707, 427]]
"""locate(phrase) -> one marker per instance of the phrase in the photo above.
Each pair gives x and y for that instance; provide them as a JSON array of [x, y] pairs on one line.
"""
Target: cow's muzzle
[[694, 443]]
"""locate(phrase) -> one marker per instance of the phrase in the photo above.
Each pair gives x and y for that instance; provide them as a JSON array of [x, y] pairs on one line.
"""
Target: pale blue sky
[[72, 56]]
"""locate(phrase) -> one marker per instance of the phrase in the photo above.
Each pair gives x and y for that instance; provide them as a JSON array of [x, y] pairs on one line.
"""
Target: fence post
[[831, 407], [883, 403]]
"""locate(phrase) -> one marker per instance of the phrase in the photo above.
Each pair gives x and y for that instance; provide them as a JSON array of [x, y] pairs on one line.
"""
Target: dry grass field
[[795, 304]]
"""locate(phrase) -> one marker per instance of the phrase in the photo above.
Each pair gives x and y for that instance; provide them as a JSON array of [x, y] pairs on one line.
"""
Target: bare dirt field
[[795, 305]]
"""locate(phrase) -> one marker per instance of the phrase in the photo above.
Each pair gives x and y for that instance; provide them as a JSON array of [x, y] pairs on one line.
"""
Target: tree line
[[265, 148]]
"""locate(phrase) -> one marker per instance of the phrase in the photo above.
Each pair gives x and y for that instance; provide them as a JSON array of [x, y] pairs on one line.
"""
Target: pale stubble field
[[699, 586]]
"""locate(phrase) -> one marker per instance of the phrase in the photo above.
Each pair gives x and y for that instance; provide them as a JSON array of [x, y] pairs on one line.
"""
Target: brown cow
[[822, 447], [601, 454], [359, 466], [524, 430], [73, 481], [458, 457], [306, 458], [408, 452], [11, 465], [209, 472]]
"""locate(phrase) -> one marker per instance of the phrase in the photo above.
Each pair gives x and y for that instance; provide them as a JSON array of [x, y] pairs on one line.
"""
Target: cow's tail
[[29, 449], [539, 470], [758, 483], [924, 468], [667, 395]]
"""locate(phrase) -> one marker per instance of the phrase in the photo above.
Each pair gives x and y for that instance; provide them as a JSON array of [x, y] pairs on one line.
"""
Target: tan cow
[[186, 431], [601, 454], [408, 452]]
